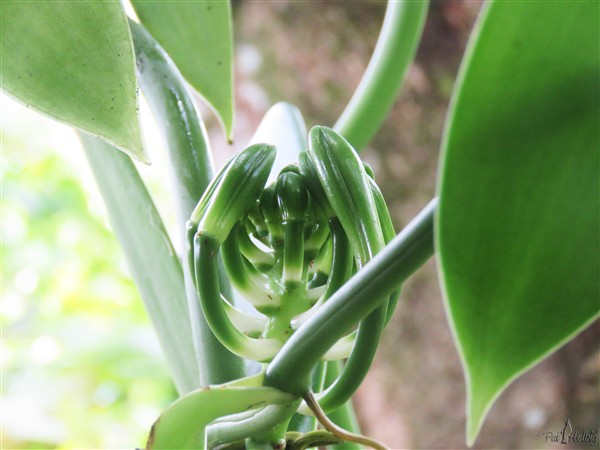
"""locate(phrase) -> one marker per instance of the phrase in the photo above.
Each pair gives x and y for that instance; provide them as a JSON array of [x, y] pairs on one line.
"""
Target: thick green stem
[[395, 50], [363, 293], [307, 423], [191, 171]]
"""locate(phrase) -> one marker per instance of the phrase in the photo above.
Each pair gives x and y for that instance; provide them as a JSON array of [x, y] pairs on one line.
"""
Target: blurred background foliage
[[81, 365]]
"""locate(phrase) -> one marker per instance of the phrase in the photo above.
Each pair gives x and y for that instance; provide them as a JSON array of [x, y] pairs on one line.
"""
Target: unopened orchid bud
[[238, 190], [292, 196], [269, 206], [346, 184]]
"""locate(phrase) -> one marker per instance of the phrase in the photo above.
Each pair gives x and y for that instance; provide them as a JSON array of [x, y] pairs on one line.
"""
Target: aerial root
[[339, 432]]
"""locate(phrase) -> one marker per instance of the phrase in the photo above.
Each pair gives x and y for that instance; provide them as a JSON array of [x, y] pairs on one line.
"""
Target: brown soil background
[[312, 54]]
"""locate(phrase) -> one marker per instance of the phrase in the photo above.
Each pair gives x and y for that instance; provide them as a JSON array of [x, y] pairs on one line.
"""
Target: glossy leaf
[[198, 38], [74, 62], [519, 214]]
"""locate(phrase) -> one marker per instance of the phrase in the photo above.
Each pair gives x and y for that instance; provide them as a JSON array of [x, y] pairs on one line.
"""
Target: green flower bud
[[293, 168], [269, 206], [313, 184], [369, 170], [238, 190], [346, 184], [256, 218], [208, 195], [292, 196]]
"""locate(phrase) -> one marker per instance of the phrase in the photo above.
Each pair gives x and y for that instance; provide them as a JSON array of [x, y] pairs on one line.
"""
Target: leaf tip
[[134, 147], [480, 398], [225, 119], [140, 154], [473, 428]]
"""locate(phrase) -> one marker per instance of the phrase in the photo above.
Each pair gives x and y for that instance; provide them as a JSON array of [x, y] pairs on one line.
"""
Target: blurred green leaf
[[154, 265], [82, 367], [519, 216], [74, 62], [199, 39]]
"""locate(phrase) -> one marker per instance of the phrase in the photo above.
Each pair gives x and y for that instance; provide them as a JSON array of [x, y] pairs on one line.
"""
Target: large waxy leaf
[[74, 62], [197, 35], [518, 221]]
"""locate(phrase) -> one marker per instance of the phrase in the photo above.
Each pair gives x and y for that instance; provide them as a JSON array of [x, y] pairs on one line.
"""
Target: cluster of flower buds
[[288, 246]]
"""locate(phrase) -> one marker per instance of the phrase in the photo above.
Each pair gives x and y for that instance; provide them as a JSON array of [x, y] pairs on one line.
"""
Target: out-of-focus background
[[81, 366]]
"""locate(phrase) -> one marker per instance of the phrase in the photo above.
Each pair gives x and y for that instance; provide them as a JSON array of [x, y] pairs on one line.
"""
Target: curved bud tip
[[292, 196], [290, 168], [238, 190], [269, 206], [324, 140], [270, 210], [311, 179], [369, 170]]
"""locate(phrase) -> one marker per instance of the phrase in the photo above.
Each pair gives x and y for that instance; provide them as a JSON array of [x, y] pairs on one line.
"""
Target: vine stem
[[190, 172], [383, 79]]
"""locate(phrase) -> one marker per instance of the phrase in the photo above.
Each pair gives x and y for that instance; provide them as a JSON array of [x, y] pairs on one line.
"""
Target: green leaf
[[518, 223], [198, 37], [74, 62], [183, 424], [152, 260]]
